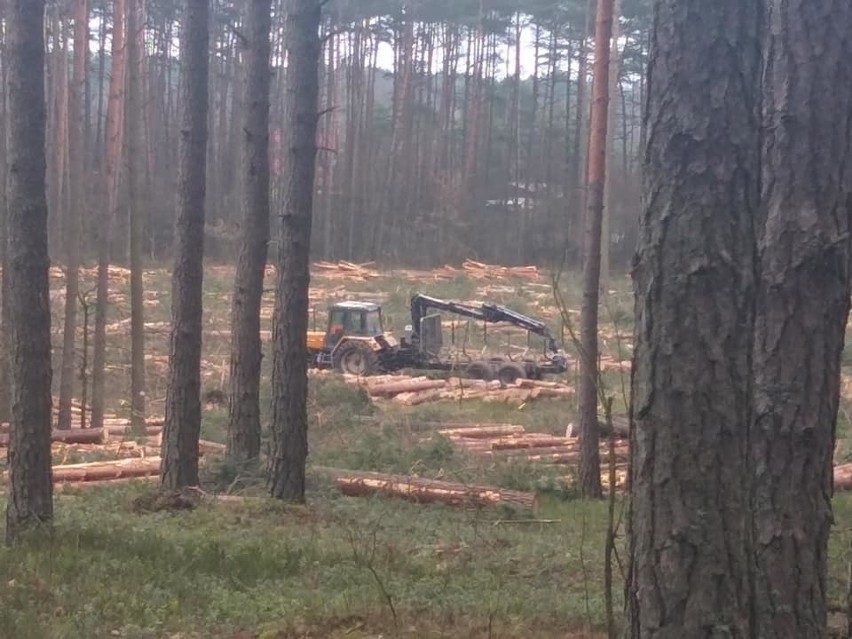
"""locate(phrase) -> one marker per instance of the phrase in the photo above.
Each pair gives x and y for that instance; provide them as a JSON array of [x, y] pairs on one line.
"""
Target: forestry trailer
[[355, 342]]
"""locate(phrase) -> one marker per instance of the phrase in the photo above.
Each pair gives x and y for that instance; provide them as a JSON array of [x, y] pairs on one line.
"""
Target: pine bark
[[183, 401], [74, 212], [5, 373], [587, 392], [290, 324], [803, 291], [114, 126], [30, 490], [694, 284], [135, 148], [244, 407]]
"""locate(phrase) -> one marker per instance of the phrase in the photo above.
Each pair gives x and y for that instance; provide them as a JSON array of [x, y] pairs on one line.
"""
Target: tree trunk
[[803, 290], [183, 401], [114, 126], [244, 408], [290, 356], [74, 213], [135, 148], [5, 373], [590, 462], [582, 108], [694, 286], [612, 119], [30, 490]]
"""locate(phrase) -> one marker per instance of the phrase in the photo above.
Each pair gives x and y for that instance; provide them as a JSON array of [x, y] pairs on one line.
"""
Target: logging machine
[[355, 341]]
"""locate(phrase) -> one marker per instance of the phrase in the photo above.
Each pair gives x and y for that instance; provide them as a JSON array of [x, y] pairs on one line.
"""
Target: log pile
[[479, 271], [510, 441], [346, 271], [412, 391], [73, 436], [427, 491], [150, 447], [106, 471], [472, 269]]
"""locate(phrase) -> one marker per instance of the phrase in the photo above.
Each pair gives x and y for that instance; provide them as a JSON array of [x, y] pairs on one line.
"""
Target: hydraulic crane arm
[[420, 305]]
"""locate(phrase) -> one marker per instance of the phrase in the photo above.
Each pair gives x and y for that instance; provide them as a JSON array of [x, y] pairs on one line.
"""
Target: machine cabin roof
[[356, 306]]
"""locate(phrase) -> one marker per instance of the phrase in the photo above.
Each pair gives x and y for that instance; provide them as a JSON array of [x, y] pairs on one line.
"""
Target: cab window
[[373, 323]]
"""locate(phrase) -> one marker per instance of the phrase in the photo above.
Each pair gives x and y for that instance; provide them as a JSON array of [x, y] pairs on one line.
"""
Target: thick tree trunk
[[244, 408], [135, 148], [803, 290], [694, 283], [5, 373], [30, 490], [183, 401], [74, 213], [109, 206], [290, 358], [590, 461]]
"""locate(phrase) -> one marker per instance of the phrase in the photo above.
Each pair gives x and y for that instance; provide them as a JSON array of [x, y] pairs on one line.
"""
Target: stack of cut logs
[[411, 391], [506, 441], [346, 271], [479, 270], [133, 459], [512, 442]]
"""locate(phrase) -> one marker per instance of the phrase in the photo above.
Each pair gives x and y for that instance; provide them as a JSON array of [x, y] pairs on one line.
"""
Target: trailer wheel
[[508, 374], [356, 358], [480, 370], [533, 369]]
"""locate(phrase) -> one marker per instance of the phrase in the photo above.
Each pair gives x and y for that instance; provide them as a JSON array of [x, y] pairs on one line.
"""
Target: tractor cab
[[353, 319]]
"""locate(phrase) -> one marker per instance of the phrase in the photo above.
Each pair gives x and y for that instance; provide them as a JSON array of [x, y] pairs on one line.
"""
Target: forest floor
[[340, 566]]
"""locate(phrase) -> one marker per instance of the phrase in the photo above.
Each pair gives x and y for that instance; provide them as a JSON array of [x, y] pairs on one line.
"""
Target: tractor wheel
[[480, 370], [356, 358], [509, 373], [533, 369]]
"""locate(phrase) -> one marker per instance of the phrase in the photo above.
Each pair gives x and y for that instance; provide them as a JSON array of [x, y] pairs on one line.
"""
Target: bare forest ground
[[342, 567]]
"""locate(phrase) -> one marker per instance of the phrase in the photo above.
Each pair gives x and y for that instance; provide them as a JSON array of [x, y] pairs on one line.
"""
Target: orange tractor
[[355, 342]]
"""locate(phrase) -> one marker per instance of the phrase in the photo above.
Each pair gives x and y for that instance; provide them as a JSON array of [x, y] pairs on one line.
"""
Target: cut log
[[63, 486], [418, 397], [484, 431], [99, 471], [425, 491], [395, 388], [621, 452], [73, 436], [124, 429], [843, 477], [572, 457], [558, 391], [537, 383], [210, 448], [528, 441]]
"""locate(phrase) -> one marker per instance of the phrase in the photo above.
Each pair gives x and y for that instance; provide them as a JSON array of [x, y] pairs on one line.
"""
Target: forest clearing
[[426, 318], [240, 565]]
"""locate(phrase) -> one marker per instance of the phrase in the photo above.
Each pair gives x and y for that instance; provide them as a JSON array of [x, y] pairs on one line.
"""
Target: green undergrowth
[[338, 567], [370, 566], [348, 431]]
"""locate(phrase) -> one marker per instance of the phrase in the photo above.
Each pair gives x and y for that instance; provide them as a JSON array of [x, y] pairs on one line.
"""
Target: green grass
[[262, 567], [337, 567]]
